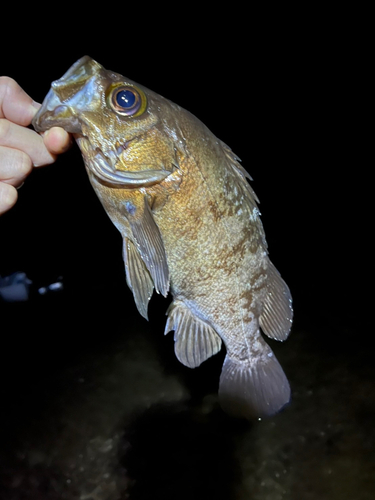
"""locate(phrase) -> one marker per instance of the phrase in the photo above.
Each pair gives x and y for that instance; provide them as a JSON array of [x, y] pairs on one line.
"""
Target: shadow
[[176, 451], [20, 480]]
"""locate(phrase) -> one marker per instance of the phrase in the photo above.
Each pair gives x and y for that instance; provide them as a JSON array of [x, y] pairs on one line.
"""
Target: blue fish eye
[[125, 99]]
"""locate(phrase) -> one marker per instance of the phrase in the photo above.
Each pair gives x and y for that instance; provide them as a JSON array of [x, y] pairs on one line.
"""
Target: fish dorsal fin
[[239, 179], [195, 340], [148, 240], [137, 277], [240, 172], [277, 314]]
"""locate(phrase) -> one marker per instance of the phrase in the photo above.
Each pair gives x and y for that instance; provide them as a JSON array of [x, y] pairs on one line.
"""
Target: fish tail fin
[[255, 388]]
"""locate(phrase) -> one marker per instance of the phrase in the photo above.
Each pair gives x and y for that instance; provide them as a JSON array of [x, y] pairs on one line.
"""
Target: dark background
[[286, 90], [281, 92]]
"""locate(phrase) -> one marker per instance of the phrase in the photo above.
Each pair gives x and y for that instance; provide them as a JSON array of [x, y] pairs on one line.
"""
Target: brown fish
[[190, 225]]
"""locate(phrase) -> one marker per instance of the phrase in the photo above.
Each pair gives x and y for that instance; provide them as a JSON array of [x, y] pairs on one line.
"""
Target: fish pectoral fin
[[137, 277], [148, 241], [253, 388], [277, 314], [195, 340]]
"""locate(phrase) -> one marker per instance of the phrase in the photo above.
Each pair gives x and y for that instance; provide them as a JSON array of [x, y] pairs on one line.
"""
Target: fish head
[[121, 127]]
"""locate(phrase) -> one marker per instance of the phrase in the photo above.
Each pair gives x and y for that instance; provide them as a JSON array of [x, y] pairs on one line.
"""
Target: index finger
[[15, 104]]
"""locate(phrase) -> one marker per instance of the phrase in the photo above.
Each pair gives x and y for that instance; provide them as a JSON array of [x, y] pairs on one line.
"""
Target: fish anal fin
[[277, 314], [195, 340], [254, 388], [148, 240], [137, 277]]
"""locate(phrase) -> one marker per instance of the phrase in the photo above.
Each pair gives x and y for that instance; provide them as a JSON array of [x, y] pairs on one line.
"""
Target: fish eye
[[126, 100]]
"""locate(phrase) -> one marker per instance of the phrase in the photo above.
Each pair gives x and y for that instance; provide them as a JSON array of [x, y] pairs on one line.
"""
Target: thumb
[[57, 140]]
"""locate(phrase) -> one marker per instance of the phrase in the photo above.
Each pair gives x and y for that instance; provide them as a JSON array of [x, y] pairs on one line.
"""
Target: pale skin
[[21, 148]]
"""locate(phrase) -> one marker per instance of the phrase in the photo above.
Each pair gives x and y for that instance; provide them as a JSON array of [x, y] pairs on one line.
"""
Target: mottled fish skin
[[190, 225]]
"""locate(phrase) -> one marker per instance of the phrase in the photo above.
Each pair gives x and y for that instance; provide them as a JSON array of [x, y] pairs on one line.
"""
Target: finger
[[8, 197], [15, 166], [57, 140], [27, 140], [15, 104]]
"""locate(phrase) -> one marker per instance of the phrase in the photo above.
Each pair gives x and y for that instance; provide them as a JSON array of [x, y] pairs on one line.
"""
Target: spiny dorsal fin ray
[[277, 314], [195, 340], [239, 178], [137, 277], [241, 173]]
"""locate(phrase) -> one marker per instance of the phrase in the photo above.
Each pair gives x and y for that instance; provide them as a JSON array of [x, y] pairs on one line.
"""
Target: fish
[[190, 227]]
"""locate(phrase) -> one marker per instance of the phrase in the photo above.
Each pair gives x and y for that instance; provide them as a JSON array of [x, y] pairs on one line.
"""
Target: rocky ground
[[96, 407]]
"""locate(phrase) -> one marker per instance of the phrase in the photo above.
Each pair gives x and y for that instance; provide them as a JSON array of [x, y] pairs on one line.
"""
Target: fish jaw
[[69, 95], [104, 168], [55, 114]]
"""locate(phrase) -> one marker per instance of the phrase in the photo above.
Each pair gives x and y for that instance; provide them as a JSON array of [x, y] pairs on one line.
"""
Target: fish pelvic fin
[[195, 340], [277, 314], [254, 388], [137, 277]]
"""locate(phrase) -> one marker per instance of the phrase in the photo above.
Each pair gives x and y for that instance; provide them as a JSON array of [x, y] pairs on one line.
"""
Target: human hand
[[21, 148]]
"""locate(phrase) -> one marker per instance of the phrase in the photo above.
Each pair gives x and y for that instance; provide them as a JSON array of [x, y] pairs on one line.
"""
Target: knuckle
[[23, 163], [15, 165], [8, 86], [4, 130]]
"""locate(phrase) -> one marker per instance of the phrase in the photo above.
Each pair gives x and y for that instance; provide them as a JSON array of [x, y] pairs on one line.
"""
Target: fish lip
[[47, 118], [55, 112]]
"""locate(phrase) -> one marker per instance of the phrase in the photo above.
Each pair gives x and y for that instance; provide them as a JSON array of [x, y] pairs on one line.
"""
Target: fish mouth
[[59, 115], [72, 91], [103, 166], [76, 85]]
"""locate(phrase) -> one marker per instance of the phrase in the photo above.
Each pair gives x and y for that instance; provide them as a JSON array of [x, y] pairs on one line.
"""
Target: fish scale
[[190, 224]]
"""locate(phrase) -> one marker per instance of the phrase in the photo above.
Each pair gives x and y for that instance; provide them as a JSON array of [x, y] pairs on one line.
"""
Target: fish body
[[190, 226]]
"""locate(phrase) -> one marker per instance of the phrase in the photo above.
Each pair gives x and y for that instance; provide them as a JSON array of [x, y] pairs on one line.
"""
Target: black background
[[281, 88]]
